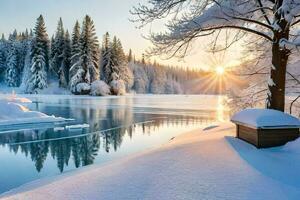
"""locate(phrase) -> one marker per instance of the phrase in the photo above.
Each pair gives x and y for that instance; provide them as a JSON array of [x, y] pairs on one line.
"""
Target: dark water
[[117, 127]]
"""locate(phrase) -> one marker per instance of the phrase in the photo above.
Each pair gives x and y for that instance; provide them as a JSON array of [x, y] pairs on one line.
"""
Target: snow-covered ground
[[202, 164], [53, 89]]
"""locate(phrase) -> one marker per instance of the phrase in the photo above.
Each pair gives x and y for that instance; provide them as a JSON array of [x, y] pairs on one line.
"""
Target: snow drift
[[100, 88], [118, 87], [12, 113]]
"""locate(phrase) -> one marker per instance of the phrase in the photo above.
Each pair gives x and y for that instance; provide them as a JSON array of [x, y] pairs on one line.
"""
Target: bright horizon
[[18, 14]]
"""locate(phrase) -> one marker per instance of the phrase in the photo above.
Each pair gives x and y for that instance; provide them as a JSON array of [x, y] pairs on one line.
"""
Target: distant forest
[[78, 63]]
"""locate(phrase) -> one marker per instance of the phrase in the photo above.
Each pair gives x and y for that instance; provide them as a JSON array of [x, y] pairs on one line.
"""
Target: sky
[[109, 15]]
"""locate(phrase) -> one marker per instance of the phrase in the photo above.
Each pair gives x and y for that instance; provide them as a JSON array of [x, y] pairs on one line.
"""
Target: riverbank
[[202, 164]]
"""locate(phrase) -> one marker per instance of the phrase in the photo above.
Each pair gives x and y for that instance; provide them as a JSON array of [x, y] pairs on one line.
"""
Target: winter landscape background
[[101, 99], [75, 62]]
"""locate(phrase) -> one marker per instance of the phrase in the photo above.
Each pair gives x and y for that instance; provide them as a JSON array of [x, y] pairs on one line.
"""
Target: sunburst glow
[[220, 70]]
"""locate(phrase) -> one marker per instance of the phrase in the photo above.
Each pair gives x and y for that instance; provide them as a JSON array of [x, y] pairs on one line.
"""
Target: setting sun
[[220, 70]]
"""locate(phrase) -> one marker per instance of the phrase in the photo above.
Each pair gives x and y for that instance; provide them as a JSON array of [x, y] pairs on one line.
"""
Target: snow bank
[[191, 166], [265, 118], [293, 146], [100, 88], [83, 88], [118, 87], [12, 113]]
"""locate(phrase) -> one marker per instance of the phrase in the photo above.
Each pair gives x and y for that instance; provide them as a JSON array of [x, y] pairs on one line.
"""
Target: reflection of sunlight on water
[[222, 110]]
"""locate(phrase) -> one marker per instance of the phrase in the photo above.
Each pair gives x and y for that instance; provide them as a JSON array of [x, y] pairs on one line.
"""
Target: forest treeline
[[30, 60]]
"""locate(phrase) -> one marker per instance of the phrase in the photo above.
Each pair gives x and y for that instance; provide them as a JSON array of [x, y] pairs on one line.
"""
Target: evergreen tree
[[57, 49], [143, 59], [12, 67], [26, 74], [2, 61], [106, 62], [22, 49], [2, 57], [64, 71], [76, 71], [26, 34], [118, 56], [89, 51], [130, 57], [39, 57], [31, 34], [120, 64], [13, 36], [140, 85]]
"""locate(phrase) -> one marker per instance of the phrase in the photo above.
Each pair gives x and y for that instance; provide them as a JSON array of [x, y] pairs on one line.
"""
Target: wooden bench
[[265, 127]]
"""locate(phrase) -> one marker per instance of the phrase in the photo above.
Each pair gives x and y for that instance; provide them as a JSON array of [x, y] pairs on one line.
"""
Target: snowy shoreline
[[204, 163], [14, 114]]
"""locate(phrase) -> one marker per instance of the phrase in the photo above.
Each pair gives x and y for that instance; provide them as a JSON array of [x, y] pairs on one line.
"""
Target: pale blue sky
[[108, 15]]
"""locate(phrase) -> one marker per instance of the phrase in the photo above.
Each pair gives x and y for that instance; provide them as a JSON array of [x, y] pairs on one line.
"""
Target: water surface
[[118, 126]]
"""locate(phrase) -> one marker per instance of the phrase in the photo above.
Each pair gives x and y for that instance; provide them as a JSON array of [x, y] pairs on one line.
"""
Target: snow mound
[[100, 88], [293, 146], [118, 87], [12, 113], [265, 118], [83, 88]]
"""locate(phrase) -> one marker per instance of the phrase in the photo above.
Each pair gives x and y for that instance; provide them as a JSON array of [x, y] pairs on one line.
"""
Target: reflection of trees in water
[[84, 149]]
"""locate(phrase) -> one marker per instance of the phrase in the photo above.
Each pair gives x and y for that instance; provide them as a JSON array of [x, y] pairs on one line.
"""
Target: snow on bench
[[265, 118]]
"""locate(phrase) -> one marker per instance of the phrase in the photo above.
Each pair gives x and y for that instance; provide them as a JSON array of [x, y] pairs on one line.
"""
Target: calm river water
[[118, 126]]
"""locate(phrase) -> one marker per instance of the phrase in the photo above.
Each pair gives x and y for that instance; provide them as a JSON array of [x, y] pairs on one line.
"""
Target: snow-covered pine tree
[[143, 61], [2, 61], [120, 64], [141, 81], [57, 50], [3, 44], [39, 57], [31, 34], [117, 56], [76, 71], [114, 61], [26, 34], [2, 37], [13, 36], [22, 48], [11, 77], [89, 51], [158, 77], [26, 74], [65, 67], [130, 57], [106, 62]]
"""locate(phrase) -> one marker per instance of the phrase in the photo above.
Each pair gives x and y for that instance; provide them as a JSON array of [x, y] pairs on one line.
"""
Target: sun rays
[[220, 70]]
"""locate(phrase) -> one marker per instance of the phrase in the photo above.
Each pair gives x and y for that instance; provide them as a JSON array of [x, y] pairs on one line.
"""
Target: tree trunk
[[276, 84], [276, 96]]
